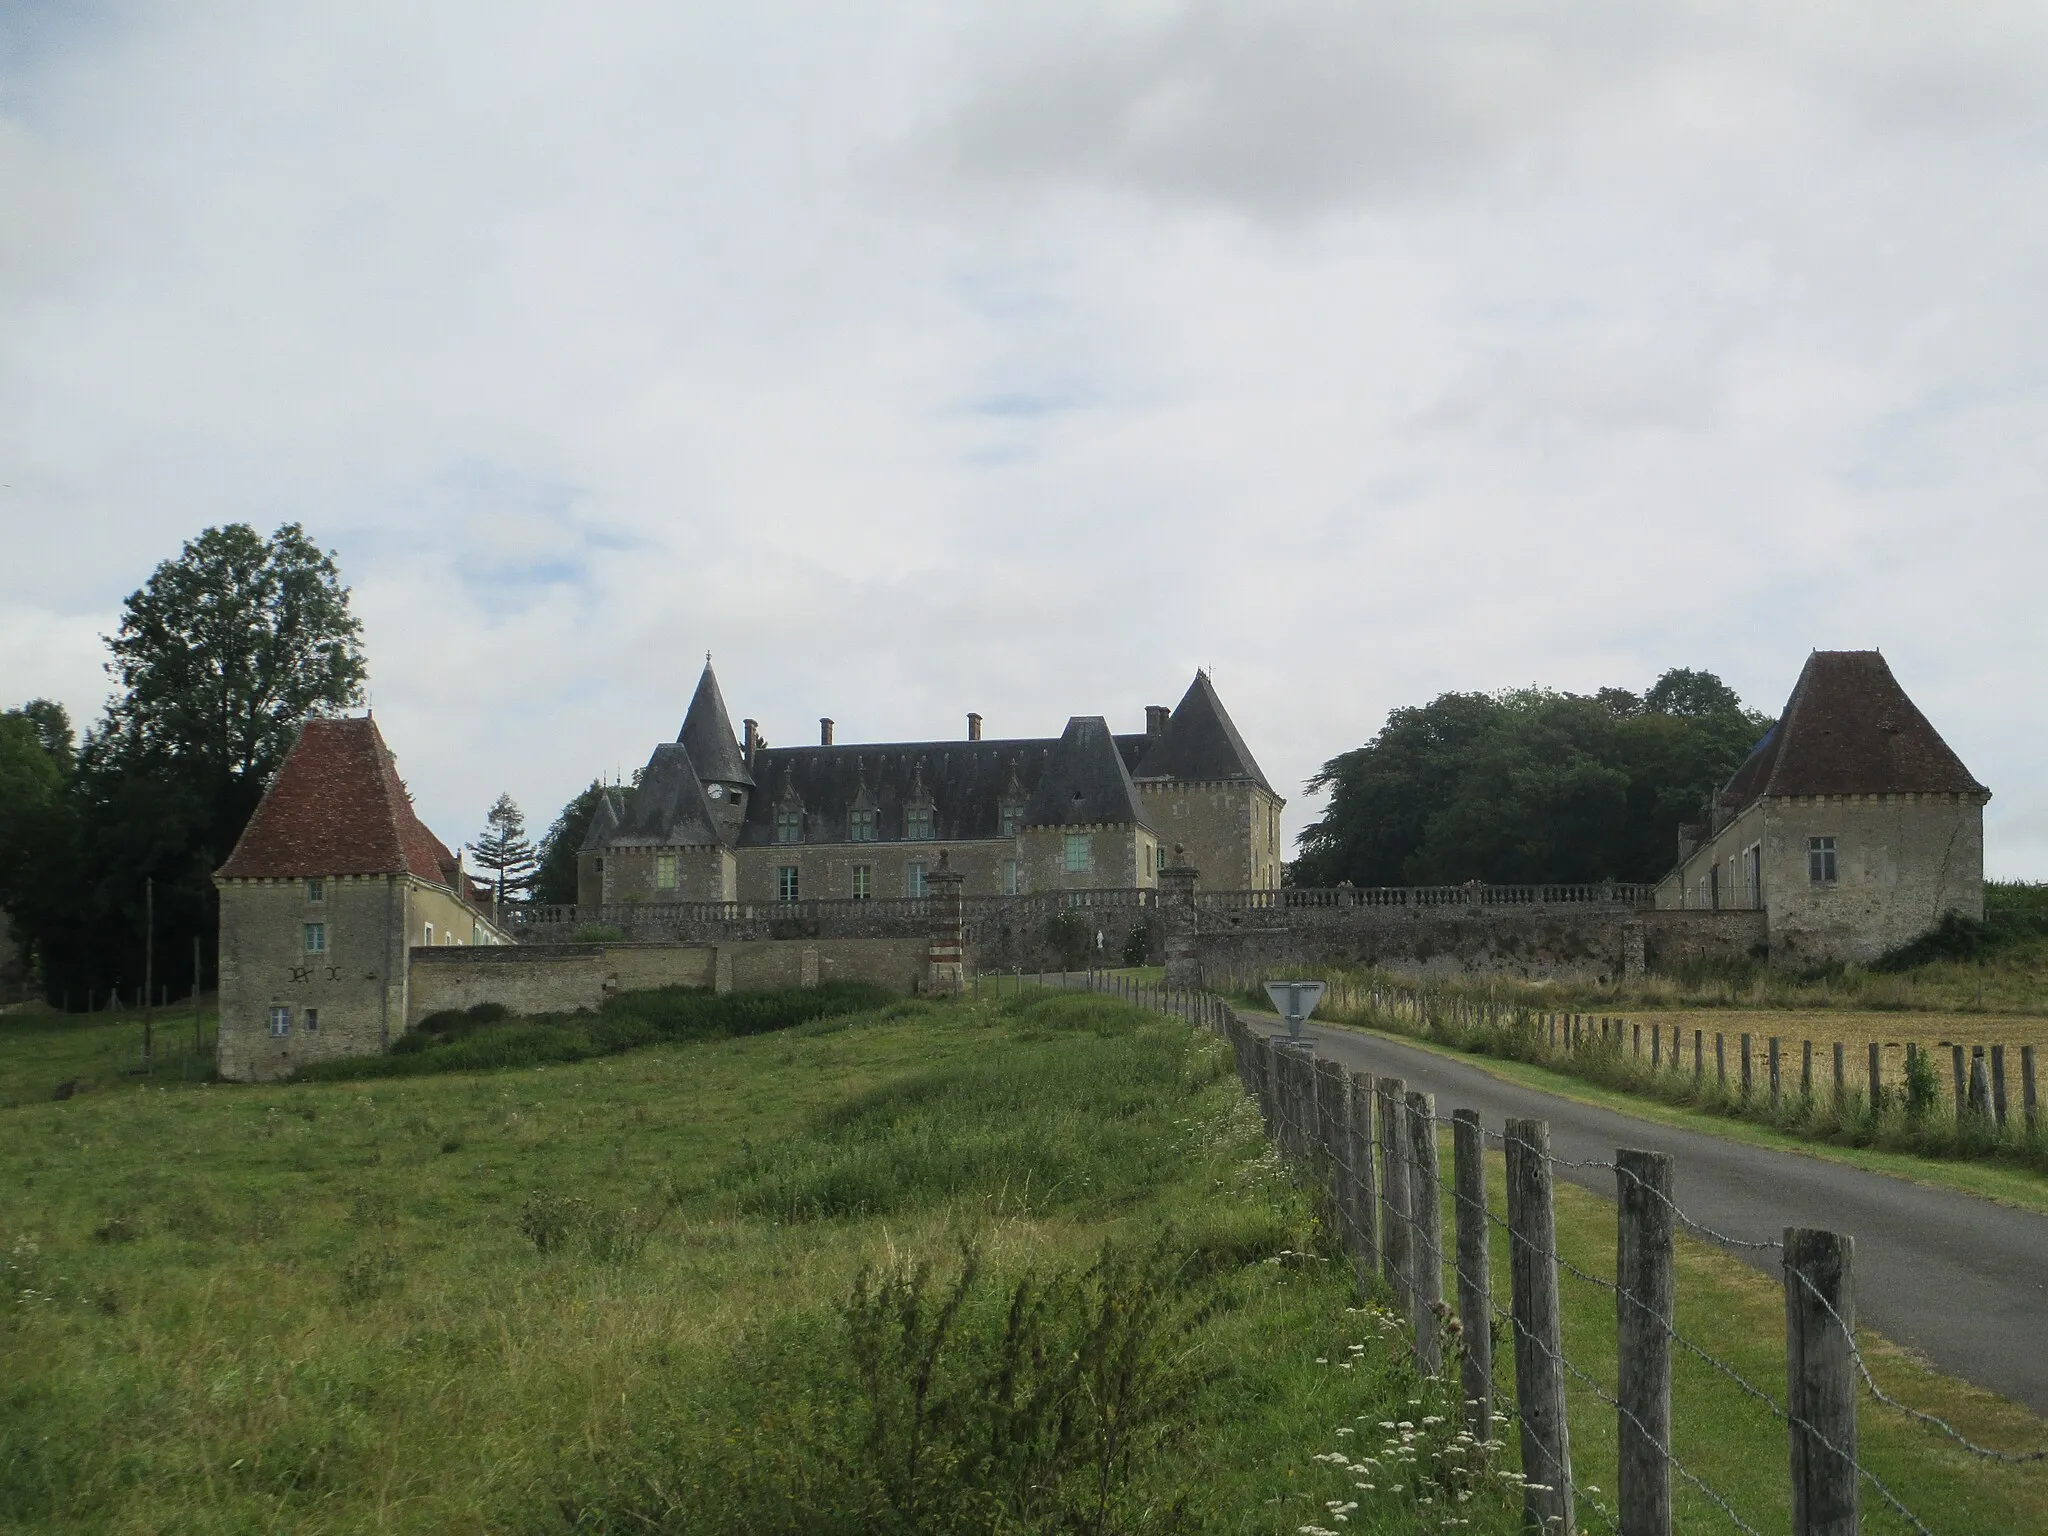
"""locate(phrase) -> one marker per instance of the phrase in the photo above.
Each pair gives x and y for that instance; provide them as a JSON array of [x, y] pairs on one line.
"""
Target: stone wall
[[1230, 831], [562, 978], [1588, 944]]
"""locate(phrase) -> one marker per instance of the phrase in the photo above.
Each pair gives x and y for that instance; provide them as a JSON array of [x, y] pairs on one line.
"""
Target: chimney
[[824, 731], [973, 726], [752, 735], [1156, 716]]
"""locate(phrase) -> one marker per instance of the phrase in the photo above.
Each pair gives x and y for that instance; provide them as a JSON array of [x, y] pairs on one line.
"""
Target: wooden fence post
[[1656, 1047], [1265, 1068], [1772, 1049], [1841, 1074], [1721, 1060], [1820, 1381], [1748, 1070], [2029, 1110], [1645, 1291], [1635, 1040], [1475, 1271], [1806, 1069], [1425, 1200], [1329, 1150], [1539, 1344], [1980, 1084], [1876, 1076], [1365, 1248], [1998, 1085], [1699, 1056], [1962, 1088], [1395, 1237]]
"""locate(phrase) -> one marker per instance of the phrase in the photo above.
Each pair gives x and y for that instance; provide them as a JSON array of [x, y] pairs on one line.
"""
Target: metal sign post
[[1294, 1001]]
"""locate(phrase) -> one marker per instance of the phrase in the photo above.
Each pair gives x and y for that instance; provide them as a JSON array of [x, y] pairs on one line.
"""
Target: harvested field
[[1856, 1030]]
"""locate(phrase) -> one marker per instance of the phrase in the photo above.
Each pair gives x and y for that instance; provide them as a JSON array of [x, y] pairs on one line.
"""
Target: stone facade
[[714, 817], [1852, 827], [332, 885]]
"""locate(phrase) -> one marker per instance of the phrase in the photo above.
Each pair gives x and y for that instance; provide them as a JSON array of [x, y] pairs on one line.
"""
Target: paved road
[[1962, 1280]]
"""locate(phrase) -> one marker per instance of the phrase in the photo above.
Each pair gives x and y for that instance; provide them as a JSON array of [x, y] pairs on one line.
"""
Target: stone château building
[[1852, 824], [331, 885], [720, 816]]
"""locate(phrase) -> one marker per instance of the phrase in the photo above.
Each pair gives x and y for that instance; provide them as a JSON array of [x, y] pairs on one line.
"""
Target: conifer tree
[[504, 850]]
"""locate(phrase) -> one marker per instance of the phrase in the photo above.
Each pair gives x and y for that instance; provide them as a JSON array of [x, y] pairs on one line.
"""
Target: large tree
[[218, 658], [504, 852], [1529, 785]]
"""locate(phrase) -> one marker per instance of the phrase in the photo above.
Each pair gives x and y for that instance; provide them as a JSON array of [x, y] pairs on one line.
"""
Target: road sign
[[1294, 1001]]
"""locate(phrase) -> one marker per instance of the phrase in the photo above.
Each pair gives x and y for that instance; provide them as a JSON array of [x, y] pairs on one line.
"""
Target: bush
[[484, 1036]]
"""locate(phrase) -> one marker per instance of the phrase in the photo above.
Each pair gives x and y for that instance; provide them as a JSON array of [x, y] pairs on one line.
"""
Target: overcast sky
[[920, 359]]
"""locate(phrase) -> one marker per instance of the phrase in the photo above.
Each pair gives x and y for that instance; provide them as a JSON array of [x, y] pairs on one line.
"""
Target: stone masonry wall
[[1588, 945], [563, 978]]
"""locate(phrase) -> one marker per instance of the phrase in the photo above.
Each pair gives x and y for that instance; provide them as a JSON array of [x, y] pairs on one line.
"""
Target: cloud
[[1024, 359]]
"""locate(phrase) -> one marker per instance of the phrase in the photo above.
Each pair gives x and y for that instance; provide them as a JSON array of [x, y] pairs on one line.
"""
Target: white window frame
[[1077, 855], [316, 891], [280, 1022], [315, 938], [861, 882], [1823, 866], [918, 823], [914, 882], [789, 825], [863, 826], [789, 882], [430, 936], [1012, 877]]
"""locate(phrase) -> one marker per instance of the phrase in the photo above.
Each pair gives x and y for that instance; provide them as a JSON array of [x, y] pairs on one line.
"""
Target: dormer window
[[861, 826], [789, 824], [1012, 817], [917, 823]]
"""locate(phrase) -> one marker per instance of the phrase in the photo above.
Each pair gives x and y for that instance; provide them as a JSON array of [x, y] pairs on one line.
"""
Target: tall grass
[[1914, 1116], [486, 1036]]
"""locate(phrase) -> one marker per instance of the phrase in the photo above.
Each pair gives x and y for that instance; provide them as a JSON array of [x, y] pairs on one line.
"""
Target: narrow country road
[[1961, 1280]]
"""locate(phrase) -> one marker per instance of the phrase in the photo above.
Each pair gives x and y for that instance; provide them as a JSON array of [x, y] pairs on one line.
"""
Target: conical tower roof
[[1085, 782], [1201, 742], [669, 808], [708, 737]]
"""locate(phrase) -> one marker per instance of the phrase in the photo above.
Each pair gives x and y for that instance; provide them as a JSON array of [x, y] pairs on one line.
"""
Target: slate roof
[[669, 806], [1201, 742], [604, 821], [337, 807], [708, 736], [1849, 729], [1085, 782], [965, 782]]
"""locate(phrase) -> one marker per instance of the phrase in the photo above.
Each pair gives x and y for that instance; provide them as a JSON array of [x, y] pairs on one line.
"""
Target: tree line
[[1528, 785]]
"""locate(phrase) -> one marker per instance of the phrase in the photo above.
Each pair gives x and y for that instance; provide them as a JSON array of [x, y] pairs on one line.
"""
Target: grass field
[[621, 1295]]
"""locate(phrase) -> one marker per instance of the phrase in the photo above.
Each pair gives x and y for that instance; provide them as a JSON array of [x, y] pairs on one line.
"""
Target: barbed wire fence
[[1373, 1144]]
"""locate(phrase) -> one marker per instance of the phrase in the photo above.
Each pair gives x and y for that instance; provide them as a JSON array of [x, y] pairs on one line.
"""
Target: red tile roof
[[337, 808], [1849, 729]]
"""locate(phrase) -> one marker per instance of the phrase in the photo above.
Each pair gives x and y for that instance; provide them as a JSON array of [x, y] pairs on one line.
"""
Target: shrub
[[478, 1038]]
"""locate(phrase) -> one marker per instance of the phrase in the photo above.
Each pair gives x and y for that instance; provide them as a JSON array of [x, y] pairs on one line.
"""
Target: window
[[316, 890], [1010, 881], [430, 935], [312, 1021], [863, 881], [664, 871], [860, 826], [917, 823], [316, 938], [1753, 876], [1078, 854], [789, 824], [786, 883], [280, 1022], [1820, 860], [913, 879], [1158, 857], [1013, 813]]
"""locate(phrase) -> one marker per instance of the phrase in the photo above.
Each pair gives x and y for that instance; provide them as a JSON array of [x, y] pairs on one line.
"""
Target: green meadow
[[1023, 1265]]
